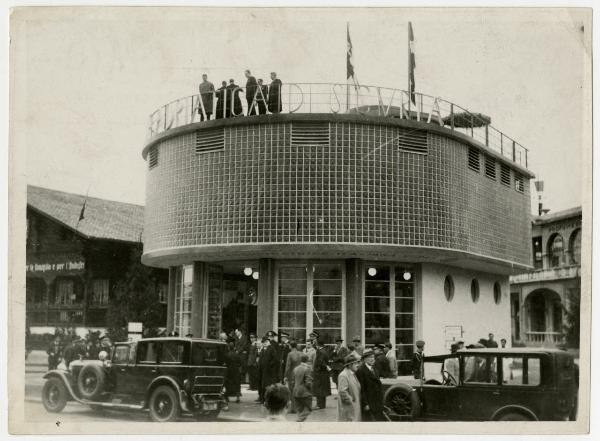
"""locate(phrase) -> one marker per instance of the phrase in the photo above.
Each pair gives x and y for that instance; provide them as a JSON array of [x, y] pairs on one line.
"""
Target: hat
[[264, 339], [367, 353], [459, 341], [350, 359], [357, 338], [379, 346], [284, 334], [339, 339], [420, 343], [272, 334], [314, 334], [252, 334], [475, 346]]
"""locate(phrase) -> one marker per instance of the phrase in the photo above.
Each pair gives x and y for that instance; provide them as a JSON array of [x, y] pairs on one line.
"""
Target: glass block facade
[[362, 188]]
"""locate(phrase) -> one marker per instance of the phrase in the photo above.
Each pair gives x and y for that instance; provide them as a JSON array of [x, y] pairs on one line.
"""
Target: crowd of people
[[225, 102], [76, 348]]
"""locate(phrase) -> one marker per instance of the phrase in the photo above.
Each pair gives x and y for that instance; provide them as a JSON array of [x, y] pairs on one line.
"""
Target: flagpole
[[408, 67], [347, 85]]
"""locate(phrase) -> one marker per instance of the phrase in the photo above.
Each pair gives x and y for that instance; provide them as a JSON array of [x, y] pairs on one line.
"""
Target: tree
[[572, 311], [135, 299]]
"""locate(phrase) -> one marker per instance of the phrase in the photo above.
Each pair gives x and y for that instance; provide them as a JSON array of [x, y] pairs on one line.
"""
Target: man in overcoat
[[382, 364], [302, 386], [349, 391], [338, 356], [252, 363], [417, 361], [251, 86], [242, 346], [206, 90], [275, 94], [270, 365], [223, 108], [234, 95], [371, 391], [322, 383], [284, 350]]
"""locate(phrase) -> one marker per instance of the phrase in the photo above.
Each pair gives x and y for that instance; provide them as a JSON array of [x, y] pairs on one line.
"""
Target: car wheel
[[164, 404], [403, 401], [514, 416], [90, 381], [54, 395]]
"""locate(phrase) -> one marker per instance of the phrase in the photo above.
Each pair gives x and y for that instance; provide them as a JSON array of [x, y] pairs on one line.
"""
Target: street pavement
[[246, 410]]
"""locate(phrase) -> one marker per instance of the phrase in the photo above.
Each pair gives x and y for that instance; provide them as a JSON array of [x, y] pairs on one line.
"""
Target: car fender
[[513, 408], [66, 378], [165, 379]]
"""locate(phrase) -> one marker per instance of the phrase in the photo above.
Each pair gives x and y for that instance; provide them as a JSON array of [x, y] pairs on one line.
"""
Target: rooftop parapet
[[338, 98]]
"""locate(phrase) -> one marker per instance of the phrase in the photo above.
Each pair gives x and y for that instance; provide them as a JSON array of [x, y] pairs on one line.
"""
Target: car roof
[[184, 339], [512, 351]]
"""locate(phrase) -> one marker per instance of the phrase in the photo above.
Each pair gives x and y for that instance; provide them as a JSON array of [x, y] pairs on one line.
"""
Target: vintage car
[[166, 376], [521, 384]]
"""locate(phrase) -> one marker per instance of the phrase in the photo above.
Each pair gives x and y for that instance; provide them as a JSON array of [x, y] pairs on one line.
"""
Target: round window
[[474, 290], [449, 288], [497, 293]]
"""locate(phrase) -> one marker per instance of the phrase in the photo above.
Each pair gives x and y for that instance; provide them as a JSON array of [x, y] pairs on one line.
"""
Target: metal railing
[[541, 338], [340, 98]]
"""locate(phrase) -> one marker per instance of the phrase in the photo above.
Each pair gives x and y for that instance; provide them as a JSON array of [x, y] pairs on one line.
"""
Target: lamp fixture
[[248, 271], [407, 275], [255, 275], [372, 271]]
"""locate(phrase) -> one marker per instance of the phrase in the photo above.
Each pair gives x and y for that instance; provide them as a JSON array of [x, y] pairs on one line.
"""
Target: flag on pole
[[411, 63], [349, 65]]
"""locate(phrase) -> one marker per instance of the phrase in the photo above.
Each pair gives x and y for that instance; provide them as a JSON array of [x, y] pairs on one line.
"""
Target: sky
[[85, 80]]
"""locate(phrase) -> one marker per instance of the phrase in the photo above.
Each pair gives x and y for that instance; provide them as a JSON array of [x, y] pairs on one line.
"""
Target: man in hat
[[349, 391], [371, 390], [417, 361], [322, 383], [284, 350], [460, 344], [310, 351], [251, 86], [252, 362], [270, 363], [242, 346], [261, 368], [382, 364], [302, 384], [336, 361], [357, 346]]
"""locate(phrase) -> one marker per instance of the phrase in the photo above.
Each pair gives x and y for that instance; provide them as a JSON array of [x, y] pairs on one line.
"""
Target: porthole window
[[474, 290], [497, 293], [449, 288]]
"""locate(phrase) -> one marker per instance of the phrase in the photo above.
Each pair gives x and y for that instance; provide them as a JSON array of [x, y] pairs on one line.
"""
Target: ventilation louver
[[310, 134], [210, 140], [519, 185], [474, 159], [413, 141], [490, 167], [505, 174], [153, 157]]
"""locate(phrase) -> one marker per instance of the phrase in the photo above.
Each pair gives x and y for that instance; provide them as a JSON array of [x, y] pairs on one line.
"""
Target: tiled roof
[[556, 216], [102, 219]]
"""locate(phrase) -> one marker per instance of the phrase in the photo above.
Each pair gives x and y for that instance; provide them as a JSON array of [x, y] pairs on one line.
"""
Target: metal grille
[[210, 140], [505, 174], [519, 186], [153, 157], [310, 134], [414, 141], [490, 167], [473, 159]]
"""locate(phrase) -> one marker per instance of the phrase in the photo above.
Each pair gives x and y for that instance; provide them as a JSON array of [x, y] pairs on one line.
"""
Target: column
[[354, 304], [171, 298], [266, 296], [199, 299]]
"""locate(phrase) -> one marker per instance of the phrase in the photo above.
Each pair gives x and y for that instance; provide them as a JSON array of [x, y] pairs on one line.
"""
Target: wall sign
[[62, 266]]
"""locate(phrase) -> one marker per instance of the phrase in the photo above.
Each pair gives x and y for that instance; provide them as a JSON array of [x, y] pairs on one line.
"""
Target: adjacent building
[[78, 248], [538, 298], [387, 225]]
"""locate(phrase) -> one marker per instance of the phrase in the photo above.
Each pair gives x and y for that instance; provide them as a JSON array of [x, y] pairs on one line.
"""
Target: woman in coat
[[349, 391]]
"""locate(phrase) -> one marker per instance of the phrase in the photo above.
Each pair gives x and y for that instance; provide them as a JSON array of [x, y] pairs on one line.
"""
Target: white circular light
[[255, 275], [407, 275], [371, 271], [248, 271]]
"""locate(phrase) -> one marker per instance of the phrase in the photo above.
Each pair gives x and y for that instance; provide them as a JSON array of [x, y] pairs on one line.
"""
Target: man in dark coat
[[205, 103], [284, 350], [417, 361], [382, 364], [251, 86], [261, 368], [371, 391], [222, 110], [275, 94], [232, 374], [234, 92], [54, 352], [321, 381], [261, 97], [270, 365], [336, 361], [242, 347], [491, 343], [253, 363]]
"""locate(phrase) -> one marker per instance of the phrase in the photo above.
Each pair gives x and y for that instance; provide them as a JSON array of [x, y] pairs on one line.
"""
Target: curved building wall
[[269, 185]]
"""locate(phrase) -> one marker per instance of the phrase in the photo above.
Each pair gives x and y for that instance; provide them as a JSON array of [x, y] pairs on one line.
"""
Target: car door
[[120, 370], [144, 370], [479, 388]]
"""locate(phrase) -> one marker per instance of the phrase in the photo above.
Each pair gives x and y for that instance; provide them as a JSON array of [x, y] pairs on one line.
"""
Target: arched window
[[449, 288], [474, 290], [555, 250], [575, 246]]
